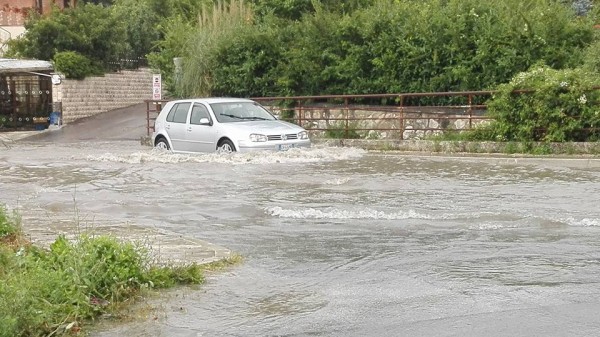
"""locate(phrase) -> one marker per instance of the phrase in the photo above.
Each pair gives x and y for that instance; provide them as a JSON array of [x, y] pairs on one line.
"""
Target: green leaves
[[558, 106], [73, 64]]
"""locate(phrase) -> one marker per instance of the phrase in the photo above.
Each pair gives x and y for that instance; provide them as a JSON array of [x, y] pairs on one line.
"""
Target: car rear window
[[178, 113]]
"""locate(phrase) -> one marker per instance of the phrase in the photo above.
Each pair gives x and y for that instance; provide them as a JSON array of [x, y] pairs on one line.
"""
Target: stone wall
[[94, 95], [381, 122]]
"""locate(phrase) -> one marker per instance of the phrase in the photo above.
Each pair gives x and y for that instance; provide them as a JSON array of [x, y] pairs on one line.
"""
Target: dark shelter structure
[[25, 94]]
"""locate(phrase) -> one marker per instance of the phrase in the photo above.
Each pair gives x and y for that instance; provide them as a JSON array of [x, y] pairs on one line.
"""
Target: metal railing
[[153, 107], [396, 115], [126, 63]]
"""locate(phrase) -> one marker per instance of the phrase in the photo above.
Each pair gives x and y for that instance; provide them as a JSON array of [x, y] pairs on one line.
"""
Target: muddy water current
[[340, 241]]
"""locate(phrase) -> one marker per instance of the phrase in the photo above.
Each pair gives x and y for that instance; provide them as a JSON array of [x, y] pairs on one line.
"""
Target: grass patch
[[61, 290], [474, 138], [340, 131]]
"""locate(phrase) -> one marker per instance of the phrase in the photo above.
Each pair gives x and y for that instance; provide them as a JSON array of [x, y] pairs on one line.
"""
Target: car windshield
[[240, 112]]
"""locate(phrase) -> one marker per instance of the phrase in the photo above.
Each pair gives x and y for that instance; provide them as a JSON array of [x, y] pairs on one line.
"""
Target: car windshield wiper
[[233, 116], [250, 118]]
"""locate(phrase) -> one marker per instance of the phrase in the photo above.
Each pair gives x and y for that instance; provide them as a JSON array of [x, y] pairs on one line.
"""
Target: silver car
[[223, 124]]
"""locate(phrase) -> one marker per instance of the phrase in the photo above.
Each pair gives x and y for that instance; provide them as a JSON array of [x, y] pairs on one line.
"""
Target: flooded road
[[340, 241]]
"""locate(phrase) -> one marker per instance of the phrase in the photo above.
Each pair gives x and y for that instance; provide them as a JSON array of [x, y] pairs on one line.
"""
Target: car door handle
[[189, 129]]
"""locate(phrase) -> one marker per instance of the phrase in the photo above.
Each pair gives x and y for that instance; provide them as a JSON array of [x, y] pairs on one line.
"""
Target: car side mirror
[[205, 121]]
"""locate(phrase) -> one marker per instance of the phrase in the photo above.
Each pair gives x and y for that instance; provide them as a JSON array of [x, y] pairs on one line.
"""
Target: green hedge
[[389, 47]]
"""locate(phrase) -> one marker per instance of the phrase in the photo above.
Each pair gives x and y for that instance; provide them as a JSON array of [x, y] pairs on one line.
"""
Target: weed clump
[[59, 290]]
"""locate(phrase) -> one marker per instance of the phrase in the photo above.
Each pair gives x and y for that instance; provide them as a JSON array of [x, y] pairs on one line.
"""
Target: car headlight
[[255, 137], [303, 135]]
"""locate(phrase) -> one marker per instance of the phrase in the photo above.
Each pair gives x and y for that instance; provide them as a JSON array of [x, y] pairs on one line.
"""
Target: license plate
[[285, 147]]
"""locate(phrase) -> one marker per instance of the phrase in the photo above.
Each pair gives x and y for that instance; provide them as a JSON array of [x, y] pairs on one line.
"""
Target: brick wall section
[[46, 4], [12, 12], [11, 18], [94, 95]]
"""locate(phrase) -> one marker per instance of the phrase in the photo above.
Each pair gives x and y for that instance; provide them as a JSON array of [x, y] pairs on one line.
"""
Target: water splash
[[585, 222], [264, 157]]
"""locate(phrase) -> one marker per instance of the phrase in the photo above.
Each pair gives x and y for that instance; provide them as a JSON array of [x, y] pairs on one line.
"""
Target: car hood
[[263, 127]]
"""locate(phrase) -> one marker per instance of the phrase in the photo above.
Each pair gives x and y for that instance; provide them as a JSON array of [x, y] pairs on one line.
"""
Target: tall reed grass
[[214, 27]]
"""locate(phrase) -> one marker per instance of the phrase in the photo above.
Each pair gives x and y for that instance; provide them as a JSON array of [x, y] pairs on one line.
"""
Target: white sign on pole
[[156, 87]]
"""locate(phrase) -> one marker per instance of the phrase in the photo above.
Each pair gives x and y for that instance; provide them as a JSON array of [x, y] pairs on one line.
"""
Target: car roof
[[210, 100]]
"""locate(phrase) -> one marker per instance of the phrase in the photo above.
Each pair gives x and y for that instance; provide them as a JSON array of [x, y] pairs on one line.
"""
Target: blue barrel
[[54, 118]]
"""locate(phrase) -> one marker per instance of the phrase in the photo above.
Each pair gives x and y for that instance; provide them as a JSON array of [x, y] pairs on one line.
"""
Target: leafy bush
[[562, 106], [73, 65]]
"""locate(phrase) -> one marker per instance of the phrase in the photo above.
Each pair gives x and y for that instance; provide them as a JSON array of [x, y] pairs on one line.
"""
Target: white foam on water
[[333, 213], [488, 227], [311, 155], [567, 221], [336, 181], [498, 222], [585, 222]]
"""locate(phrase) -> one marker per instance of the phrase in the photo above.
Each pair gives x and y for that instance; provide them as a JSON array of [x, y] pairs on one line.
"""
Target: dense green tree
[[141, 22], [90, 30]]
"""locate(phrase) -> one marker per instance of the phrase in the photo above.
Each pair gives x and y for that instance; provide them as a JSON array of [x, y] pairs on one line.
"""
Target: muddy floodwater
[[341, 241]]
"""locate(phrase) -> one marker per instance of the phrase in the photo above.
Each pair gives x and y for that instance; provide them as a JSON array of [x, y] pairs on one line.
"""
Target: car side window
[[178, 113], [199, 111]]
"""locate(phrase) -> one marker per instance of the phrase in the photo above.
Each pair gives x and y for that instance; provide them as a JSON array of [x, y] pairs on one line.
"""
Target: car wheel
[[226, 146], [162, 144]]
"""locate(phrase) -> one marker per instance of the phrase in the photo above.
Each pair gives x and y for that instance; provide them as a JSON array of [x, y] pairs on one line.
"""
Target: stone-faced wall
[[94, 95], [381, 122]]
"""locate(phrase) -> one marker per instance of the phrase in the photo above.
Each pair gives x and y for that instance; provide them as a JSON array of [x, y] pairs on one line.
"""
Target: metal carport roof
[[19, 66]]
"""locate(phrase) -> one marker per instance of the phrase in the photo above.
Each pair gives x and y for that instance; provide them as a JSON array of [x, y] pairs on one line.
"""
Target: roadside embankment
[[437, 146]]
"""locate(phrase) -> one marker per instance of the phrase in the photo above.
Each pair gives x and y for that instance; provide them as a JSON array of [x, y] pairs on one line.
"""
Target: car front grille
[[289, 136]]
